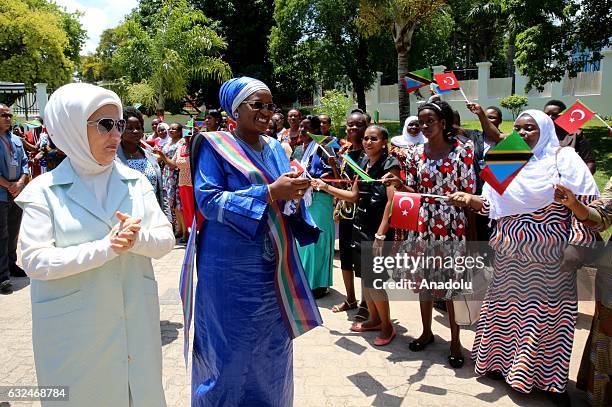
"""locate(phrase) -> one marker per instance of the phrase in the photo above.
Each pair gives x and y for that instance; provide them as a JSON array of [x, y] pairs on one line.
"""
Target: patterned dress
[[143, 166], [527, 320], [170, 177], [439, 222]]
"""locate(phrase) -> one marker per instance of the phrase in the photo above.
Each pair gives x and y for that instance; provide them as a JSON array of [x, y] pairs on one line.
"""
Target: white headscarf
[[532, 189], [406, 138], [66, 116]]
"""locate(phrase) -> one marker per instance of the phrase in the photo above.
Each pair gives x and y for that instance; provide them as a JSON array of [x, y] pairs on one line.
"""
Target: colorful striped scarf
[[298, 308]]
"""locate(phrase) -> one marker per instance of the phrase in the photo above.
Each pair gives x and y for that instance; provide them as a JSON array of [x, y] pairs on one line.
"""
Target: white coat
[[95, 313]]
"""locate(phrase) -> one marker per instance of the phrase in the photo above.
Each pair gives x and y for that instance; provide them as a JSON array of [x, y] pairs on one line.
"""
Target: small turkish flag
[[447, 81], [231, 124], [405, 210], [296, 167], [574, 117]]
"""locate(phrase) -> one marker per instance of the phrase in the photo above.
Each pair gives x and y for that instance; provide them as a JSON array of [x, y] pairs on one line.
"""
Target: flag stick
[[444, 198], [596, 115], [324, 151], [603, 121], [463, 93]]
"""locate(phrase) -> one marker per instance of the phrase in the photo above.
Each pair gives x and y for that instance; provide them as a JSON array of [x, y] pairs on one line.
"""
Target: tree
[[309, 47], [176, 48], [514, 103], [563, 29], [336, 105], [38, 42], [401, 18]]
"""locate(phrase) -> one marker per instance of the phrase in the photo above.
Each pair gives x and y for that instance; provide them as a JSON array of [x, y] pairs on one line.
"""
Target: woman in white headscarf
[[411, 134], [90, 228], [527, 320]]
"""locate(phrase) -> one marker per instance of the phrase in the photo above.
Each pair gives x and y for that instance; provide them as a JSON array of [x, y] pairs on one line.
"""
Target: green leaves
[[39, 42], [164, 51], [335, 104]]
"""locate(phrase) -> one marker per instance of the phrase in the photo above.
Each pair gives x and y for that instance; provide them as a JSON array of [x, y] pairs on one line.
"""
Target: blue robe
[[242, 352]]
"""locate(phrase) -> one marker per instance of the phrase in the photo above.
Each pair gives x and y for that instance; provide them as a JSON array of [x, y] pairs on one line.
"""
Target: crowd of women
[[265, 246]]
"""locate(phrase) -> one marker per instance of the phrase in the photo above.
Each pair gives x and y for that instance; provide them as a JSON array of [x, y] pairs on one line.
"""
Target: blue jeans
[[10, 220]]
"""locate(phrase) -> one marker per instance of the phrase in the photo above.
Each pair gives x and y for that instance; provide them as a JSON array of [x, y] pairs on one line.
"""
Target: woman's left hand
[[126, 233], [377, 247], [318, 185], [565, 196]]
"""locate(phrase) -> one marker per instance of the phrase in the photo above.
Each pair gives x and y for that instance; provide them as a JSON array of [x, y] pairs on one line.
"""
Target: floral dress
[[439, 224], [170, 178]]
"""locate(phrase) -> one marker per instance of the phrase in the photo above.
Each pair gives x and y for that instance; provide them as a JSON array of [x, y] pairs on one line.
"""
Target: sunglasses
[[105, 125], [257, 105], [6, 115]]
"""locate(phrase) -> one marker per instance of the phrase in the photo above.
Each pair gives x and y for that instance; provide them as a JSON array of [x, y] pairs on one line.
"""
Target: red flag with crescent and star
[[574, 117], [405, 210], [447, 81], [296, 167]]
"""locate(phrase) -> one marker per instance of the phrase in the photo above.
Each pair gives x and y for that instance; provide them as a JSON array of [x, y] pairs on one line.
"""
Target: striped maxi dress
[[526, 326]]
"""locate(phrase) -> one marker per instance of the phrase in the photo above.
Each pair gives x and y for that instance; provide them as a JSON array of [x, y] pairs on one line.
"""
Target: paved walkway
[[333, 366]]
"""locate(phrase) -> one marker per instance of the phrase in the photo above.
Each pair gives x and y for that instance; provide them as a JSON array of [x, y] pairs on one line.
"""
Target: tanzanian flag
[[505, 161], [417, 79], [358, 170], [325, 141]]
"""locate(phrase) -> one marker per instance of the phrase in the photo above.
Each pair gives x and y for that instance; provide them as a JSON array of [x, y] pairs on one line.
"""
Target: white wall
[[593, 88]]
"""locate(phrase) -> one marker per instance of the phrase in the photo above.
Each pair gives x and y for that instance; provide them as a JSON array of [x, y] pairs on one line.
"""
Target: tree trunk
[[402, 35], [403, 96], [510, 68], [361, 97]]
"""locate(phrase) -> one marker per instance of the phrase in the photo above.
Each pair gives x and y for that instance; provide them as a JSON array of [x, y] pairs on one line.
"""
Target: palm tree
[[401, 18]]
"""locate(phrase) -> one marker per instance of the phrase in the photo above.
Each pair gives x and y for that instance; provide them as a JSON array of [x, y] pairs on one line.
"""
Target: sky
[[98, 16]]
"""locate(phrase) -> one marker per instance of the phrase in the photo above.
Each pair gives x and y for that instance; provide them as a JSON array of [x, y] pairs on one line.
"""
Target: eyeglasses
[[105, 125], [258, 105], [6, 115]]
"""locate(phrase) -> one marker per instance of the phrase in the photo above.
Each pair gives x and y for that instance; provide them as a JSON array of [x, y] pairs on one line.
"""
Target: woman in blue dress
[[252, 296]]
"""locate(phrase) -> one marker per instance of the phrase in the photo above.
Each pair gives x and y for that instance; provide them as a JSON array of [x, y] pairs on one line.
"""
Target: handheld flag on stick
[[574, 117], [189, 123], [417, 79], [198, 124], [325, 141], [435, 88], [186, 132], [231, 124], [360, 172], [448, 81], [405, 210], [504, 162]]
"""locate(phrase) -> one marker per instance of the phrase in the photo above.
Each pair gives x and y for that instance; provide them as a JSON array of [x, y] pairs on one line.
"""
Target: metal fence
[[26, 106]]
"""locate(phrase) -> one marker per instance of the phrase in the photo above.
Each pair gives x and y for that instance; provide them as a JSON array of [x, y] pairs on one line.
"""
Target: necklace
[[131, 156]]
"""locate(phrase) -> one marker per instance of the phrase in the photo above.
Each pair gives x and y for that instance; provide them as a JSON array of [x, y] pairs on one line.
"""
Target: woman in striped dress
[[527, 320]]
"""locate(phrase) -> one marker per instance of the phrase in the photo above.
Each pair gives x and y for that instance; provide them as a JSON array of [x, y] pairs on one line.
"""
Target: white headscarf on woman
[[532, 189], [66, 116], [406, 138]]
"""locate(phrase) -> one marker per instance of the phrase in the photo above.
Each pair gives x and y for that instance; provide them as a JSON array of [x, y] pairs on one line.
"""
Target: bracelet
[[270, 193], [380, 237]]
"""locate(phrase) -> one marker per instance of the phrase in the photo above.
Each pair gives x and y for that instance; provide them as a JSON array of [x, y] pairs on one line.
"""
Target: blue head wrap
[[236, 90]]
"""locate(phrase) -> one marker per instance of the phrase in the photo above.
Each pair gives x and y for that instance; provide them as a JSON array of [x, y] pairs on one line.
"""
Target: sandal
[[417, 346], [456, 361], [362, 314], [345, 306], [360, 328], [384, 342]]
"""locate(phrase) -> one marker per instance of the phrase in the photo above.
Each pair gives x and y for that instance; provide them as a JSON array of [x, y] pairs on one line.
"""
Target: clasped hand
[[124, 234], [289, 186]]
